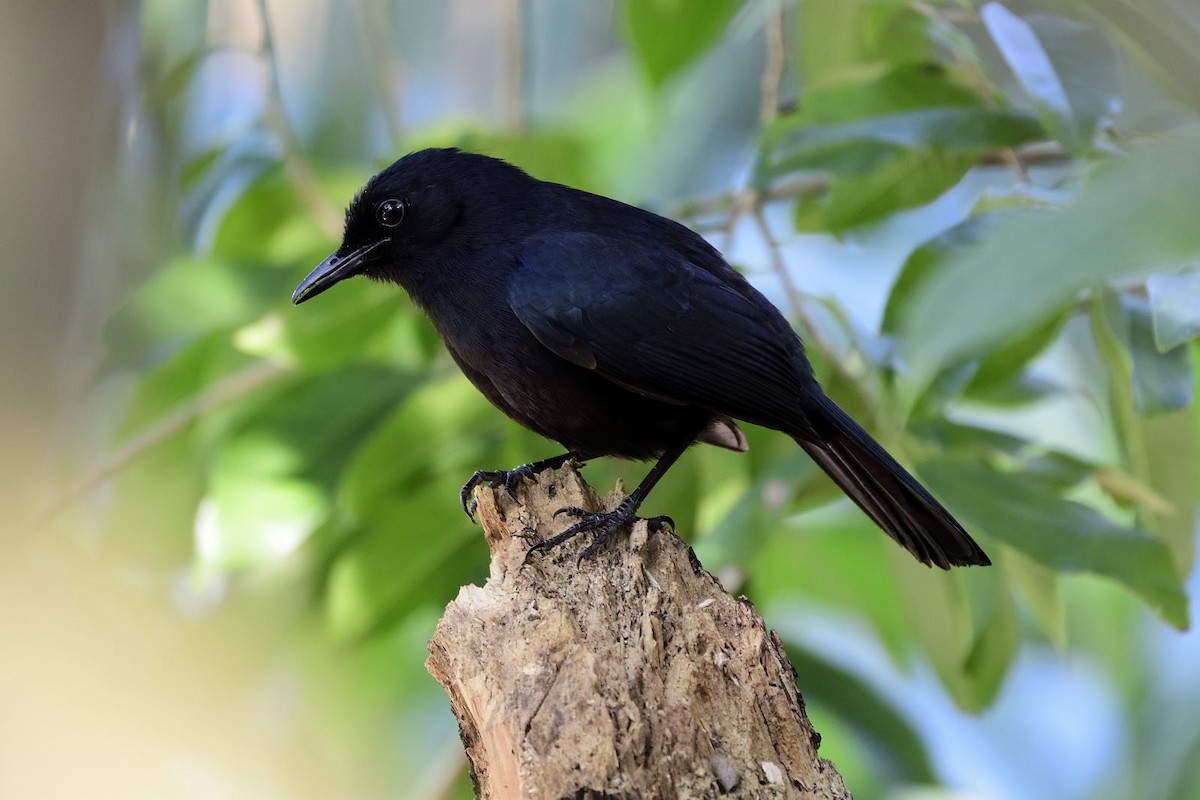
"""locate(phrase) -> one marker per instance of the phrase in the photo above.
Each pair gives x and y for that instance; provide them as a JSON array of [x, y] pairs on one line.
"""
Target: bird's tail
[[885, 490]]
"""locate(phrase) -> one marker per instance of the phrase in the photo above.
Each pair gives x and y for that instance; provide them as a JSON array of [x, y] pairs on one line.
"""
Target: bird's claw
[[603, 523], [466, 496], [510, 479], [514, 477], [660, 522], [572, 511]]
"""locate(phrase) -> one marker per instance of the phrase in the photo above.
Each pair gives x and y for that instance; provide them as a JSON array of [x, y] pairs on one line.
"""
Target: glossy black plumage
[[611, 330]]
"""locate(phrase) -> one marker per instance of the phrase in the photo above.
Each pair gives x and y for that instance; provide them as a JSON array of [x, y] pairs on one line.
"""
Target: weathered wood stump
[[633, 675]]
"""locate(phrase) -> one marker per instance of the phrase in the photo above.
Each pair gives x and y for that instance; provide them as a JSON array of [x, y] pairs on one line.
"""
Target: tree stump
[[631, 675]]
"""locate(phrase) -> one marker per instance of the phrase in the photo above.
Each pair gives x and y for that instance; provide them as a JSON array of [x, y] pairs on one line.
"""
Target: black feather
[[886, 491], [613, 331]]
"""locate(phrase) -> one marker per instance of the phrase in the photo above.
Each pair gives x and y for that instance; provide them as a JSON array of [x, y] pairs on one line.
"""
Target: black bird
[[613, 331]]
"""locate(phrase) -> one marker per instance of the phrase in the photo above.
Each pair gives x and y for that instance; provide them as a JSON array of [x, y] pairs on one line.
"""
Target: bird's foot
[[602, 523], [510, 479]]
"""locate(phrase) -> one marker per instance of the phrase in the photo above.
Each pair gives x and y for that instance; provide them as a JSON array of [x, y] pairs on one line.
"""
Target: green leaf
[[414, 550], [836, 555], [197, 168], [910, 179], [744, 530], [216, 181], [1004, 365], [909, 87], [1160, 450], [809, 214], [848, 129], [935, 605], [1030, 63], [927, 260], [1087, 65], [1057, 470], [1021, 390], [967, 440], [1065, 536], [844, 41], [1161, 38], [1038, 587], [1130, 215], [272, 475], [444, 427], [953, 129], [886, 163], [1068, 70], [991, 654], [869, 715], [1172, 470], [899, 34], [356, 322], [324, 417], [268, 224], [188, 298], [257, 510], [840, 158], [667, 35], [1175, 306], [792, 143], [179, 379], [1160, 381], [830, 46], [954, 45], [947, 387]]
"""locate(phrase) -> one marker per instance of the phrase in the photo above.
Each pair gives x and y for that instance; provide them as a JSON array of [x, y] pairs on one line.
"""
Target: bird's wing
[[645, 317]]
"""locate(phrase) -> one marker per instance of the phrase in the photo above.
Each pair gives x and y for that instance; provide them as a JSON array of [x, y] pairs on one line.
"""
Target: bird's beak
[[332, 270]]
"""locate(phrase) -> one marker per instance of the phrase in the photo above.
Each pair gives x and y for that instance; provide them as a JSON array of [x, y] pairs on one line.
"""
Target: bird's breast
[[555, 398]]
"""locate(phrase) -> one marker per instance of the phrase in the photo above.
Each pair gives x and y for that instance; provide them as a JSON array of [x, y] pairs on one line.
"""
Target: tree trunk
[[631, 675]]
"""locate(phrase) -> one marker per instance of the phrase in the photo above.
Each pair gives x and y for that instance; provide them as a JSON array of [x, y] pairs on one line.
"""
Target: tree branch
[[631, 675], [772, 78], [387, 67], [232, 387], [513, 67], [295, 163]]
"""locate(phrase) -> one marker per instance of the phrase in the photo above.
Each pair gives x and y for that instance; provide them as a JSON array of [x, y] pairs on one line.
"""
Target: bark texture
[[633, 675]]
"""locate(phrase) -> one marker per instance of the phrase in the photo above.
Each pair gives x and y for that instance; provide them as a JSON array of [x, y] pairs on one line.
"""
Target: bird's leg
[[509, 478], [603, 523]]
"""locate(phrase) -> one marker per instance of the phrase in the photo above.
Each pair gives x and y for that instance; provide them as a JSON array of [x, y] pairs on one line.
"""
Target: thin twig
[[513, 72], [1036, 154], [728, 203], [386, 65], [795, 298], [750, 201], [232, 387], [772, 77], [813, 333], [800, 186], [295, 163], [1007, 155], [1014, 162]]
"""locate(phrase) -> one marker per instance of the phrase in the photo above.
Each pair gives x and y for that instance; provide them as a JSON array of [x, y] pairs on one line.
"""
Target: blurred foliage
[[343, 431]]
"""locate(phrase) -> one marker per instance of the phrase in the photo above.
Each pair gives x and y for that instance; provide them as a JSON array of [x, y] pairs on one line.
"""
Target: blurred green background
[[232, 524]]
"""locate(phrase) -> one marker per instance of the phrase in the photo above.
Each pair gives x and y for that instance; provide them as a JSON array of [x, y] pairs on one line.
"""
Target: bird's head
[[411, 209]]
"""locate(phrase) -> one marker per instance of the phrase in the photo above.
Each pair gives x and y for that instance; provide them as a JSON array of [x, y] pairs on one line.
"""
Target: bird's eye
[[390, 213]]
